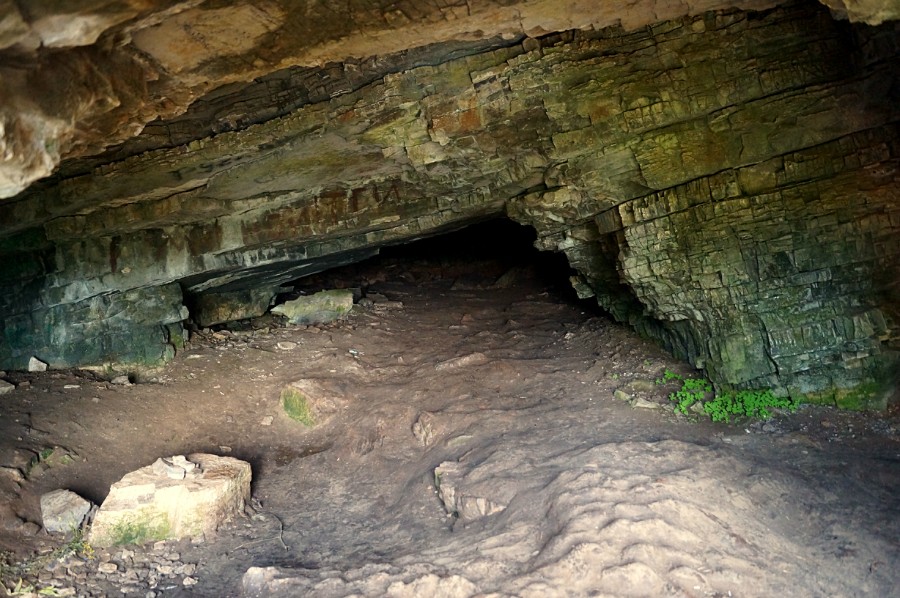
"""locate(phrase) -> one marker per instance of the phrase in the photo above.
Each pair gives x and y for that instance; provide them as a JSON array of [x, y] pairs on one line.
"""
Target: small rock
[[621, 395], [641, 403], [36, 365], [224, 449], [71, 386], [107, 568], [189, 581], [697, 408], [6, 387], [122, 380], [267, 420], [12, 473], [464, 361], [63, 510], [95, 399], [286, 345]]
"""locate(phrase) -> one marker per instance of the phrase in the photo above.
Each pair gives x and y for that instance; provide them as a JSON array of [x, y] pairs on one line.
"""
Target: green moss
[[296, 406], [868, 396], [153, 527]]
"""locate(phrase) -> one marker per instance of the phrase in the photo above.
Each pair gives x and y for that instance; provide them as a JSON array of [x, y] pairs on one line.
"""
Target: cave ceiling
[[82, 76], [722, 174]]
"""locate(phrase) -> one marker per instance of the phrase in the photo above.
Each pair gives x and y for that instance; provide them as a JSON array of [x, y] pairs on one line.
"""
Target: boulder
[[174, 498], [63, 511], [325, 306]]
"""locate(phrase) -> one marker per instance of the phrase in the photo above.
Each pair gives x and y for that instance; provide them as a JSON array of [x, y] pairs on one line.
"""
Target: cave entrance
[[490, 255]]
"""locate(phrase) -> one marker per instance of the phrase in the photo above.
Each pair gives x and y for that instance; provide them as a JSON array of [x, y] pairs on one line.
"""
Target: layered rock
[[87, 74], [726, 183]]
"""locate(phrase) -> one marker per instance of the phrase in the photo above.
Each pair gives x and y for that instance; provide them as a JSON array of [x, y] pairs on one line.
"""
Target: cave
[[652, 244]]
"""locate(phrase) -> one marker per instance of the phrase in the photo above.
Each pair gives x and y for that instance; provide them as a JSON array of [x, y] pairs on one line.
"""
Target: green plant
[[139, 530], [668, 376], [296, 406], [742, 403], [76, 546], [746, 403], [692, 390]]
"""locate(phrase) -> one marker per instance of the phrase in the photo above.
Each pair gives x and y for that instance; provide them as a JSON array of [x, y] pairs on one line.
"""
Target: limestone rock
[[319, 308], [621, 395], [219, 307], [150, 504], [36, 365], [459, 501], [732, 195], [63, 511], [6, 387], [642, 403]]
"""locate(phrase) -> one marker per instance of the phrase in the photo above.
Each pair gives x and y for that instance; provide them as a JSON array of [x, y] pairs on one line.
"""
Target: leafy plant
[[746, 403], [693, 390], [743, 403]]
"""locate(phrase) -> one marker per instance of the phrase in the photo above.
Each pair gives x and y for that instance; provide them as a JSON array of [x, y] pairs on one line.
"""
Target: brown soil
[[561, 489]]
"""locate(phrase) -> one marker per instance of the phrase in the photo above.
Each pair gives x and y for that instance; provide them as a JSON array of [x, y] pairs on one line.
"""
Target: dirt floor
[[480, 451]]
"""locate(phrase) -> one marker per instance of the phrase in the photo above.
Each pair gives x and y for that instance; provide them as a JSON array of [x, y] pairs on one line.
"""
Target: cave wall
[[726, 183]]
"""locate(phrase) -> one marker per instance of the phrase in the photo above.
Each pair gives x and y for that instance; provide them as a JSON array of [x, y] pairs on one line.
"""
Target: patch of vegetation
[[746, 403], [693, 390], [47, 458], [137, 532], [296, 406], [14, 575], [742, 403]]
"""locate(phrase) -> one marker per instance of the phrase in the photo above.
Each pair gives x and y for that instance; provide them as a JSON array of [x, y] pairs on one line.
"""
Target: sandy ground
[[479, 452]]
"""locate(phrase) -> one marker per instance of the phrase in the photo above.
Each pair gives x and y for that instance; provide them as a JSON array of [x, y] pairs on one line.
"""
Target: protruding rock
[[36, 365], [325, 306], [150, 505], [63, 511], [6, 387]]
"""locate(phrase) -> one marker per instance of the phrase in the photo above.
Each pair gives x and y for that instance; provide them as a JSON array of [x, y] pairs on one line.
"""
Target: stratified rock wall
[[726, 183]]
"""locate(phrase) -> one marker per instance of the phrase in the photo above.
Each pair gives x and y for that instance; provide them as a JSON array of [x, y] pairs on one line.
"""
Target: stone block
[[219, 307], [172, 499], [63, 511], [325, 306]]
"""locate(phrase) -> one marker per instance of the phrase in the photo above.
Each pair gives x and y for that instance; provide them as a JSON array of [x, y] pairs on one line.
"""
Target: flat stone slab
[[175, 497]]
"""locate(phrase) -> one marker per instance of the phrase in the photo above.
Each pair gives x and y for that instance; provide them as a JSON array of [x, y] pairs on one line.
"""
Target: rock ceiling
[[721, 174], [84, 75]]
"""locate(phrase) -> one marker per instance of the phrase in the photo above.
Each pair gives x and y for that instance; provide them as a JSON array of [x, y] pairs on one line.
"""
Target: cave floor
[[511, 388]]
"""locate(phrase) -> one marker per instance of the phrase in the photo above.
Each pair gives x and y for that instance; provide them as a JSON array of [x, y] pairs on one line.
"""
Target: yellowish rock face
[[149, 505]]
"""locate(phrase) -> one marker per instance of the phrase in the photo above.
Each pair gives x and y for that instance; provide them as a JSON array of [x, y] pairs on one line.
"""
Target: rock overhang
[[651, 158]]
